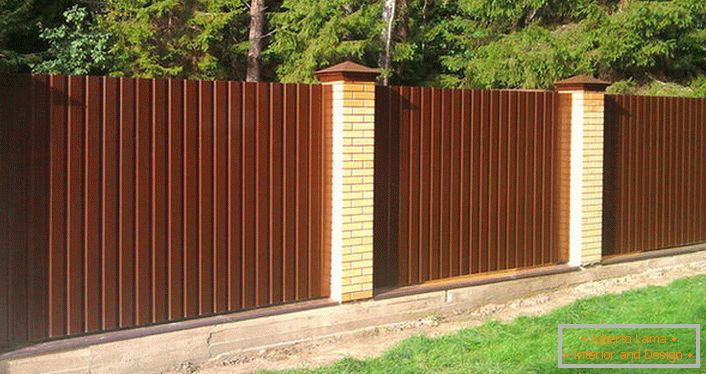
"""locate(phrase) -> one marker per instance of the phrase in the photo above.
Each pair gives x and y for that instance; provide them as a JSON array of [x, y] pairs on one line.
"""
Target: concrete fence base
[[199, 345]]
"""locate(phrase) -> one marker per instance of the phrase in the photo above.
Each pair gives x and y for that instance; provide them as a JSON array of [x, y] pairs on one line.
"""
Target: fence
[[136, 201], [467, 182], [128, 202], [655, 172]]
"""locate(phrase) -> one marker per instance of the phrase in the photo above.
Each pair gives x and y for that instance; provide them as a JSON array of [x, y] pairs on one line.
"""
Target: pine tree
[[13, 17], [257, 25], [21, 22], [178, 38], [311, 34]]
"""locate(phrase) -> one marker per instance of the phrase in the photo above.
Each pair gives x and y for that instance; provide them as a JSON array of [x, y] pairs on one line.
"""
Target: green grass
[[528, 344]]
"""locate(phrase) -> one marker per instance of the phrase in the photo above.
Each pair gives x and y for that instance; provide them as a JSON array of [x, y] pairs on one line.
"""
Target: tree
[[420, 38], [312, 34], [20, 24], [532, 58], [205, 39], [650, 38], [647, 46], [388, 18], [257, 25], [402, 19], [76, 47], [13, 19]]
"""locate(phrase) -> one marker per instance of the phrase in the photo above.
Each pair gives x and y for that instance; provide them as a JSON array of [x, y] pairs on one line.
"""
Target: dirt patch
[[374, 341]]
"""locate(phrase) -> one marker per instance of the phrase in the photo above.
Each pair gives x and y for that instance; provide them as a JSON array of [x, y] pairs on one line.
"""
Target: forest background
[[655, 47]]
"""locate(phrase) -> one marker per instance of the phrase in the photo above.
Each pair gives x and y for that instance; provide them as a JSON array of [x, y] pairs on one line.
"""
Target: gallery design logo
[[629, 346]]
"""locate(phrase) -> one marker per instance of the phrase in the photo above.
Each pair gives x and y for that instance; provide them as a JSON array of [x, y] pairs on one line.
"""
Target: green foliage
[[532, 58], [528, 43], [625, 87], [509, 44], [697, 88], [13, 19], [13, 16], [21, 22], [430, 37], [20, 25], [76, 47], [664, 37], [503, 16], [655, 46], [171, 38], [317, 33]]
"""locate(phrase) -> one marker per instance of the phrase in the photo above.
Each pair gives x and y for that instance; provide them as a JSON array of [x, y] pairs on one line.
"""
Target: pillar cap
[[348, 71], [582, 83]]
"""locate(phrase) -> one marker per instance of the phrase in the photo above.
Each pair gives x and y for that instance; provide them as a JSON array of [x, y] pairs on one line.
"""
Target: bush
[[76, 47]]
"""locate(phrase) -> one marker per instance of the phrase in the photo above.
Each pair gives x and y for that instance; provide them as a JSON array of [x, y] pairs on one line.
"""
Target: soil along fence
[[130, 202]]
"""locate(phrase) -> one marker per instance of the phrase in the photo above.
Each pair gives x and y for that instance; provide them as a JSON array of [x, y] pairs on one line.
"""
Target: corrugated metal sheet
[[23, 142], [467, 182], [655, 163], [131, 202]]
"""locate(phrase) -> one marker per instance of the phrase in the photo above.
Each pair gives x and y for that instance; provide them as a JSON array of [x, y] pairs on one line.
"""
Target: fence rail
[[132, 201]]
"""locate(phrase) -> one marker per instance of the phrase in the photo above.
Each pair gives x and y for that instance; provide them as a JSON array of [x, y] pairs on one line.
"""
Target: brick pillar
[[586, 165], [353, 144]]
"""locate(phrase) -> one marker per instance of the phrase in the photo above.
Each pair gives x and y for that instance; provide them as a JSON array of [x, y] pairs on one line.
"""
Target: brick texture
[[563, 171], [592, 193], [584, 111], [354, 125]]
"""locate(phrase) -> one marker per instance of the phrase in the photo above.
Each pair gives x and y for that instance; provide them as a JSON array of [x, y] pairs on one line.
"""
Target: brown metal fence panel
[[466, 182], [23, 290], [655, 157], [128, 202]]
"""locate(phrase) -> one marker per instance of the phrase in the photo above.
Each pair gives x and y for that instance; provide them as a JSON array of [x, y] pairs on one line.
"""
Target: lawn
[[529, 344]]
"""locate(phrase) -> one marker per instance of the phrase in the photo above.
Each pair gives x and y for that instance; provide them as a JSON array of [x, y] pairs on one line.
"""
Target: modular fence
[[129, 202], [655, 170], [467, 182]]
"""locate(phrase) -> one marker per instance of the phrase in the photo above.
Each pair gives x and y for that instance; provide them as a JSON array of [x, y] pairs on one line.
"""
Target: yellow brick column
[[586, 166], [353, 151]]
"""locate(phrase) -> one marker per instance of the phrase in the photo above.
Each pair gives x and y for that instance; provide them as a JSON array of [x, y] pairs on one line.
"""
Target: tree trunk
[[424, 21], [257, 25], [403, 23], [388, 16]]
